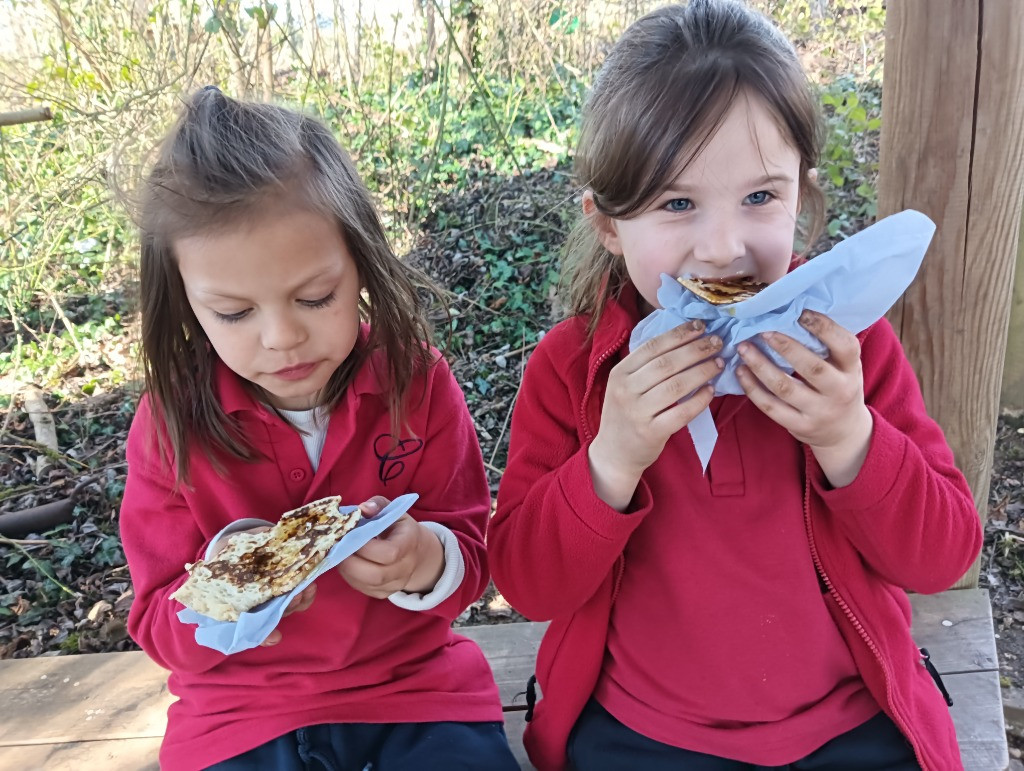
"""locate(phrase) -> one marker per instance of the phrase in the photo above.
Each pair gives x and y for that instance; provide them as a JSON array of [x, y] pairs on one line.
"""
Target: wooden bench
[[107, 710]]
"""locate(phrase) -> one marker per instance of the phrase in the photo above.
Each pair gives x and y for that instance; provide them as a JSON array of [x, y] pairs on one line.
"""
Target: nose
[[282, 331], [719, 243]]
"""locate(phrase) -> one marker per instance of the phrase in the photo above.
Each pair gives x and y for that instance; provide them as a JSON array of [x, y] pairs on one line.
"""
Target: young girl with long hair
[[288, 358], [754, 616]]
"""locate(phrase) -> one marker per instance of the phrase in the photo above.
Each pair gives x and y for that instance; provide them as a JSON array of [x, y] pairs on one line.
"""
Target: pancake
[[723, 292], [255, 567]]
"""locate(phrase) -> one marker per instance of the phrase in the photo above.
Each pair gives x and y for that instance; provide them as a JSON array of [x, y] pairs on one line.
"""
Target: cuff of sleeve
[[577, 487], [234, 527], [450, 580], [876, 478]]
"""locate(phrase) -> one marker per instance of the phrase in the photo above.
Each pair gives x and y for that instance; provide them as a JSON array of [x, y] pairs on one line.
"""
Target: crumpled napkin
[[254, 625], [854, 283]]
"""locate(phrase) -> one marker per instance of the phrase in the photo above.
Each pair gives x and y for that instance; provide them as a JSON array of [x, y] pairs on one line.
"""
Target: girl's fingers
[[843, 345], [301, 601], [817, 372], [373, 506], [379, 551], [272, 639], [369, 577], [388, 547], [662, 344], [676, 362], [765, 400], [769, 377], [680, 386], [678, 415]]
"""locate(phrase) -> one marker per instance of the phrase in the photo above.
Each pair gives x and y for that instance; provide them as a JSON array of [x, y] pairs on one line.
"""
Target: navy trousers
[[382, 747], [599, 742]]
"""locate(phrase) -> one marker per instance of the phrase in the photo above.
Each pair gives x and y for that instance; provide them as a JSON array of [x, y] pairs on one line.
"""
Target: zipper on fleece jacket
[[588, 433], [619, 566], [901, 723]]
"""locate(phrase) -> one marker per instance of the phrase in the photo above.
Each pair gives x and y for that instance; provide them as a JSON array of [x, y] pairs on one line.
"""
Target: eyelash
[[232, 318], [323, 302]]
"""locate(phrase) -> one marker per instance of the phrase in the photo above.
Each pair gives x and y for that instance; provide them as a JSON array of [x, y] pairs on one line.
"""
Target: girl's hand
[[652, 393], [823, 408], [406, 557], [299, 603]]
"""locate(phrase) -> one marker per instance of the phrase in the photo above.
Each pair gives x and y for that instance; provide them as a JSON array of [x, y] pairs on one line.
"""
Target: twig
[[14, 492], [30, 115], [7, 417], [1008, 530], [29, 542], [39, 568], [508, 413], [66, 321], [493, 355], [479, 87], [29, 444]]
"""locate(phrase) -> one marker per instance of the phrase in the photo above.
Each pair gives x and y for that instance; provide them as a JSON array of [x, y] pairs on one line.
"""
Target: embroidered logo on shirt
[[390, 451]]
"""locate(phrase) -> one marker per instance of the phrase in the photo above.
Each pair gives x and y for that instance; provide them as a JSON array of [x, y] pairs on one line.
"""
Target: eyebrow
[[328, 273], [762, 181], [771, 179]]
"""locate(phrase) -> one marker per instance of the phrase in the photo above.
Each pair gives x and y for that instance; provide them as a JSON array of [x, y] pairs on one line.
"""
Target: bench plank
[[978, 716], [112, 755], [511, 650], [109, 709], [515, 724], [74, 698], [956, 628]]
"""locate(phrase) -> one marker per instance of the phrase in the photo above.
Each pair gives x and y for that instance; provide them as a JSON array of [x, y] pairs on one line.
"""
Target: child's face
[[278, 300], [730, 213]]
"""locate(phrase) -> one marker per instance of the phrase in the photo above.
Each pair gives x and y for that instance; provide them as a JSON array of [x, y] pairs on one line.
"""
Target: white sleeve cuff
[[450, 580], [234, 527]]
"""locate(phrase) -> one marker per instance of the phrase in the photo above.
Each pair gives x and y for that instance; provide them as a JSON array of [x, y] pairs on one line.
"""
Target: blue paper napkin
[[254, 625], [854, 284]]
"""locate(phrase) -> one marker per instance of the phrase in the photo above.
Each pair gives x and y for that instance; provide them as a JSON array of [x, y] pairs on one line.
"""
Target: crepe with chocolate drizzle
[[724, 291], [255, 567]]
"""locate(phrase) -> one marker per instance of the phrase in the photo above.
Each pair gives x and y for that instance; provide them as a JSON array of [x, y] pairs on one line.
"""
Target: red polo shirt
[[349, 658]]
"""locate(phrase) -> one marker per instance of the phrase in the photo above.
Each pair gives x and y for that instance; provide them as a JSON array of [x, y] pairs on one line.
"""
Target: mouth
[[296, 372]]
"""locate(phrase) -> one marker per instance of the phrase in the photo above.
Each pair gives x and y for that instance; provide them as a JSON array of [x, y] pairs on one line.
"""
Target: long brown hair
[[664, 89], [222, 165]]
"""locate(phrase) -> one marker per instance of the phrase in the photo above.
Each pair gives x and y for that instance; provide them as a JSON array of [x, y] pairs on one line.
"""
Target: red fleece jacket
[[907, 522], [349, 658]]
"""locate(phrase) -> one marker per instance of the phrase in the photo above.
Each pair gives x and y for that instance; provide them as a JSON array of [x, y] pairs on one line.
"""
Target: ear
[[812, 175], [602, 223]]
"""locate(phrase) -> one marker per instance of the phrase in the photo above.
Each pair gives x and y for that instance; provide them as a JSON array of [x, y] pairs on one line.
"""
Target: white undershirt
[[312, 425], [312, 428]]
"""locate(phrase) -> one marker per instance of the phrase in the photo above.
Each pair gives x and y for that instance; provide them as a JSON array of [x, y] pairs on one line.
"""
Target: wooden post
[[953, 148]]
